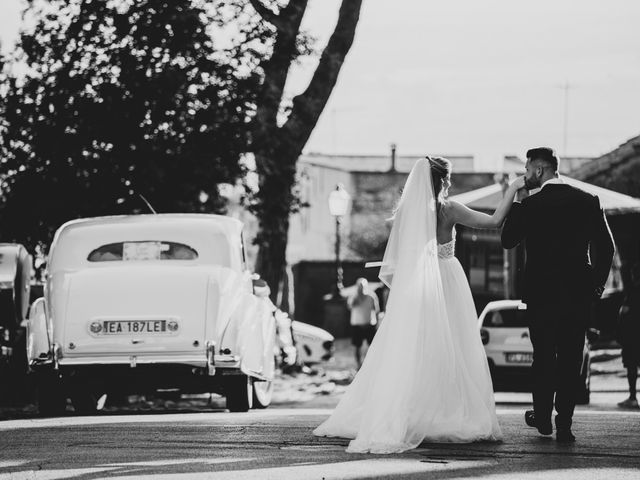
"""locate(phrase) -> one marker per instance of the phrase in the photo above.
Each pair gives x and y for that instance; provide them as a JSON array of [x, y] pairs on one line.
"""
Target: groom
[[569, 250]]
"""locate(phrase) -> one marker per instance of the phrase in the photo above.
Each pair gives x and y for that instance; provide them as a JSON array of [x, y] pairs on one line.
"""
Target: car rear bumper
[[145, 378], [198, 361]]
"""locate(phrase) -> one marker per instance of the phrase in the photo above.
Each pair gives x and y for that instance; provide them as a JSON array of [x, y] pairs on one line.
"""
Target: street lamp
[[503, 180], [338, 207]]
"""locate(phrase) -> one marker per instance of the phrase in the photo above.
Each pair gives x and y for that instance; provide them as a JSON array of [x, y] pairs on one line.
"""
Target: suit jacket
[[569, 247]]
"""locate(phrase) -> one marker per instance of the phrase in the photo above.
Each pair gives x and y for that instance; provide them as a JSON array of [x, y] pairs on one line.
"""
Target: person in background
[[364, 316], [628, 335]]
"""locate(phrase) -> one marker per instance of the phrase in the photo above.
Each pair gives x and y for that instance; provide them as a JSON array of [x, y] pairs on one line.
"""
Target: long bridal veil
[[409, 387]]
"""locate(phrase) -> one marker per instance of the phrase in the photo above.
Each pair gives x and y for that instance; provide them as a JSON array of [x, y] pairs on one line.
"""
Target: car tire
[[263, 391], [50, 397], [239, 393], [262, 394]]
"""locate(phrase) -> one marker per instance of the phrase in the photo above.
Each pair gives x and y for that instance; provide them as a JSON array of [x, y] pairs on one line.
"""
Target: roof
[[627, 150], [381, 163], [499, 304], [514, 164], [178, 219], [614, 203], [75, 239]]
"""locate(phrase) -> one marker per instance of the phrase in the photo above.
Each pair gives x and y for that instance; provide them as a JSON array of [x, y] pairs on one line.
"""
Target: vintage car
[[141, 303], [505, 335], [15, 286], [314, 344], [298, 343]]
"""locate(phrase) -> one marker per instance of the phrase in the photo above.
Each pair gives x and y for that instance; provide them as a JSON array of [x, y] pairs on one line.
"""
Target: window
[[484, 260], [509, 318], [145, 250]]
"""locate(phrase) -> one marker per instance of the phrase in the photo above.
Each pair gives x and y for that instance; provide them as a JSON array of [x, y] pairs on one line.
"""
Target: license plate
[[519, 357], [125, 327]]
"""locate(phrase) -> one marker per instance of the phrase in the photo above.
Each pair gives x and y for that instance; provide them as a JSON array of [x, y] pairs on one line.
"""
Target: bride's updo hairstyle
[[440, 174]]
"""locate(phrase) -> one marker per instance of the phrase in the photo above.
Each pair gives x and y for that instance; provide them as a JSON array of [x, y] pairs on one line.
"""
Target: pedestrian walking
[[628, 336], [364, 308]]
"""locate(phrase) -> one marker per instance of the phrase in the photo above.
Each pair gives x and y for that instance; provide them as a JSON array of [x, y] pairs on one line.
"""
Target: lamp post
[[503, 180], [338, 207]]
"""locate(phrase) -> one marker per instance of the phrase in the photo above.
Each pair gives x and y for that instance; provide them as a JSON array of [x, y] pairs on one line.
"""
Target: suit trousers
[[557, 329]]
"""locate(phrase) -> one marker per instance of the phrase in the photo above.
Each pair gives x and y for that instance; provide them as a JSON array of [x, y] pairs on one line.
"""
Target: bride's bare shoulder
[[452, 209]]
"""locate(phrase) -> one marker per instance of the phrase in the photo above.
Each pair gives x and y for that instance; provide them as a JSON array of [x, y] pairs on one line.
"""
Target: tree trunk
[[275, 199], [277, 149]]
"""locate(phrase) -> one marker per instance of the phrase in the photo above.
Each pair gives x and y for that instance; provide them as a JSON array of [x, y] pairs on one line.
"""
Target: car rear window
[[506, 318], [146, 250]]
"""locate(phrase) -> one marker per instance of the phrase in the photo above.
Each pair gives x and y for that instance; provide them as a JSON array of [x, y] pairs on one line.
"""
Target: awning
[[614, 203]]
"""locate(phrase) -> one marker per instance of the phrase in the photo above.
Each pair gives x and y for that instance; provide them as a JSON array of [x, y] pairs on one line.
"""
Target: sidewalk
[[323, 385]]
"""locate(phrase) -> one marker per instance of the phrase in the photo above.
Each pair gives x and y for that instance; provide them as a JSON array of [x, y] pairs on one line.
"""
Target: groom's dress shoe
[[543, 429], [565, 435]]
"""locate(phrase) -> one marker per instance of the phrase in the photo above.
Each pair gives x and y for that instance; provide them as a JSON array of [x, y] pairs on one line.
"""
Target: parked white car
[[298, 342], [505, 335], [314, 344], [134, 304]]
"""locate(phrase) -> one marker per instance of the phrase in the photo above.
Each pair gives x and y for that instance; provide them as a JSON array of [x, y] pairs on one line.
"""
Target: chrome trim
[[57, 356], [125, 359], [227, 361], [210, 348]]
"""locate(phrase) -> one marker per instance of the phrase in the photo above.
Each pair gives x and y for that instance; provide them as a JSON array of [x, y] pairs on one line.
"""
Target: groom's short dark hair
[[544, 154]]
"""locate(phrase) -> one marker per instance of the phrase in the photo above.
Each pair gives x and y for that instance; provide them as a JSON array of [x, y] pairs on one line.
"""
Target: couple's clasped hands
[[520, 185]]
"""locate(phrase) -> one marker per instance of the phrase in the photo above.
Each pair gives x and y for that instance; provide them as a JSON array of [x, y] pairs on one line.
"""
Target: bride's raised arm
[[464, 215]]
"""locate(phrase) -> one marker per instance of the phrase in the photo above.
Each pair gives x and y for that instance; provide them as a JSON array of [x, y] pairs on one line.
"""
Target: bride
[[425, 376]]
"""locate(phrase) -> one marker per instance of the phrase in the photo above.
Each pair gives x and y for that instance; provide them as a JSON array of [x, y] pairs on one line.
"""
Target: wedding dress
[[425, 376]]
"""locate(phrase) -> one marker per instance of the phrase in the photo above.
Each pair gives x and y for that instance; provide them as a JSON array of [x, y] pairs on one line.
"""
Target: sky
[[487, 78]]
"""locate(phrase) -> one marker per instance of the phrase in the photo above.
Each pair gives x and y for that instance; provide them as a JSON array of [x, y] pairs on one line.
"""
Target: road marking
[[12, 463], [54, 474], [356, 469], [160, 463]]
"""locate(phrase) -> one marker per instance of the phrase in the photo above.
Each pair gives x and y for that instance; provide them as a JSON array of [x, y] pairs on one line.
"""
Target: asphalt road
[[194, 438], [278, 444]]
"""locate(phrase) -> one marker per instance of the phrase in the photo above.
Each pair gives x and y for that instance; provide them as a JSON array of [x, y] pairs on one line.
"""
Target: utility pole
[[566, 88]]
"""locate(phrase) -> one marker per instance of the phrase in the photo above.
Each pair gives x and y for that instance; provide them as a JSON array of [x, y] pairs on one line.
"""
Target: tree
[[120, 99], [277, 145]]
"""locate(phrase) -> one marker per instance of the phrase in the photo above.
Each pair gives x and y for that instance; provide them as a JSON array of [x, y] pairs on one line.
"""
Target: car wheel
[[239, 392], [50, 396], [263, 391], [584, 390]]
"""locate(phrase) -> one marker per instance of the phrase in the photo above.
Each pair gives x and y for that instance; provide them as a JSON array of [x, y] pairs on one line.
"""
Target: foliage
[[109, 100]]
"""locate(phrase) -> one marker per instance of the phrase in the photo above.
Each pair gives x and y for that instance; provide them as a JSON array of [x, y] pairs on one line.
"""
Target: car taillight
[[484, 335], [95, 327]]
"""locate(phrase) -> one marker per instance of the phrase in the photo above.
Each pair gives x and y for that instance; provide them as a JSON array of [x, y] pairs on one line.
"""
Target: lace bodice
[[447, 250]]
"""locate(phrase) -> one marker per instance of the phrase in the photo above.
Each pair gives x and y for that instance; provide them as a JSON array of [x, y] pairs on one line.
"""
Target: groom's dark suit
[[569, 251]]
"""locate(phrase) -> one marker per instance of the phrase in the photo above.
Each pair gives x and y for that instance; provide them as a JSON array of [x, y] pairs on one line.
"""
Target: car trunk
[[511, 339], [134, 310]]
